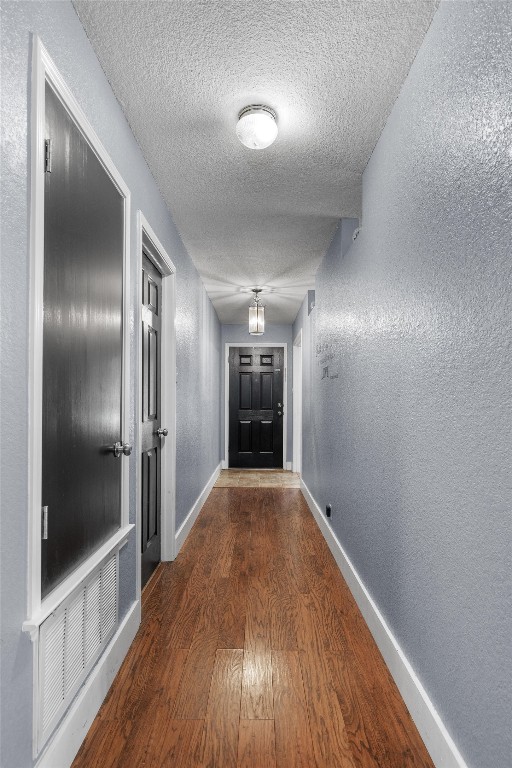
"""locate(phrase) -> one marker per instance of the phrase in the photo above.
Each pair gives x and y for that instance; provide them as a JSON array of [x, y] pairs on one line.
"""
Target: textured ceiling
[[183, 69]]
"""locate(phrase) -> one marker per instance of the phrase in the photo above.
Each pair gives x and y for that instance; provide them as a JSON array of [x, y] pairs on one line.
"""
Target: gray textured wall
[[198, 331], [412, 442], [274, 334]]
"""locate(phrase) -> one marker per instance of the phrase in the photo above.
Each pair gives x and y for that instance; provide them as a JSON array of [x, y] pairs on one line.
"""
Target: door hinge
[[47, 155], [44, 523]]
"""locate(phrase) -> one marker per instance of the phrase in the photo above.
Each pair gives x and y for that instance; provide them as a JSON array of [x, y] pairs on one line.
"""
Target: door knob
[[279, 413], [118, 449], [161, 432]]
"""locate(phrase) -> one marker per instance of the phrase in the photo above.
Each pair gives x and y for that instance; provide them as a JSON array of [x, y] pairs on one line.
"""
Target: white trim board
[[281, 345], [44, 70], [438, 741], [185, 527], [68, 737], [160, 258], [297, 403], [78, 577]]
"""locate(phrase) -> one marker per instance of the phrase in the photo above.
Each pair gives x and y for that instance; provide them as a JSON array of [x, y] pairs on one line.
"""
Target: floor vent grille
[[70, 641]]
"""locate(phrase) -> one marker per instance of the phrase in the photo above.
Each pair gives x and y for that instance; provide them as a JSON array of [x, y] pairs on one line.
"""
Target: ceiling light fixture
[[256, 315], [257, 126]]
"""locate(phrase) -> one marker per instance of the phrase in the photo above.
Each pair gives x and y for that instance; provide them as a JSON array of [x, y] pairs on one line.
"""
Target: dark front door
[[256, 407], [152, 433], [82, 349]]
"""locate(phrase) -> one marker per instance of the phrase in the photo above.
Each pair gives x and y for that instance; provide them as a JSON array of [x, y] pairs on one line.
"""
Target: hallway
[[252, 652], [375, 230]]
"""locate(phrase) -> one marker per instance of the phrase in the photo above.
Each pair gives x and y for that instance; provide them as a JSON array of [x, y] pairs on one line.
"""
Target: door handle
[[118, 449], [162, 432], [279, 413]]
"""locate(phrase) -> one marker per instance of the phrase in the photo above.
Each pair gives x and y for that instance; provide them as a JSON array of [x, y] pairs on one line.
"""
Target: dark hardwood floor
[[253, 654]]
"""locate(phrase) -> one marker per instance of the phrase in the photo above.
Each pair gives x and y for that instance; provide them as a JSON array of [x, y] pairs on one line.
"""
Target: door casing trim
[[227, 346], [297, 403], [44, 70], [160, 258]]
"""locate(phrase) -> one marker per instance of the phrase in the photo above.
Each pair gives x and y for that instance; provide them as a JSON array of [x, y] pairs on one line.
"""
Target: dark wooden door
[[256, 407], [82, 349], [151, 409]]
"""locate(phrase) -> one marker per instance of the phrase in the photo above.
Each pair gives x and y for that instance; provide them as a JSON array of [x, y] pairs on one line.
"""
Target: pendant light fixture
[[256, 315], [257, 126]]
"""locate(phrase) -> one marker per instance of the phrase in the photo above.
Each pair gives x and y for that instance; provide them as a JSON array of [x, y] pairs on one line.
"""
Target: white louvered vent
[[70, 641]]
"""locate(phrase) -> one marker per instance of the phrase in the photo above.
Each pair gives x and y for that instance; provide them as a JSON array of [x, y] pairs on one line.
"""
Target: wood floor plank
[[329, 736], [224, 554], [166, 678], [104, 744], [256, 744], [132, 690], [259, 544], [257, 697], [257, 627], [284, 599], [325, 621], [294, 747], [232, 628], [182, 625], [192, 696], [176, 743], [223, 711], [364, 743], [287, 530], [240, 558], [194, 688]]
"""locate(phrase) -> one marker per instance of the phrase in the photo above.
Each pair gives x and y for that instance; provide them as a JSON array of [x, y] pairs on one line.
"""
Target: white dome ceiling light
[[257, 126]]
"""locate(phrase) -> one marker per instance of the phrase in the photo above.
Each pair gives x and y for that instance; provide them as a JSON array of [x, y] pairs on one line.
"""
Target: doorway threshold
[[257, 478]]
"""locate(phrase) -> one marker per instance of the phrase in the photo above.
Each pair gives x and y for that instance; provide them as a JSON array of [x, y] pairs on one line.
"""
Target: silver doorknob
[[118, 449], [279, 413], [161, 432]]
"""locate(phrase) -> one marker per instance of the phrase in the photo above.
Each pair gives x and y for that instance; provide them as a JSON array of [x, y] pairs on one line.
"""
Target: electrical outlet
[[328, 510]]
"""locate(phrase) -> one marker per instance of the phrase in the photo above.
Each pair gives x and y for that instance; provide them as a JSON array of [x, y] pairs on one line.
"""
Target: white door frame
[[297, 403], [228, 345], [161, 260], [44, 70], [38, 609]]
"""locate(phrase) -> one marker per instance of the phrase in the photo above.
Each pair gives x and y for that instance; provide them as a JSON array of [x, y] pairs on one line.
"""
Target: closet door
[[82, 348]]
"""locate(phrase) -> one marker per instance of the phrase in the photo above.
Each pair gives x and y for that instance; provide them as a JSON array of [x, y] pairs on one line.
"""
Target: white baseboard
[[68, 737], [184, 529], [438, 741]]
